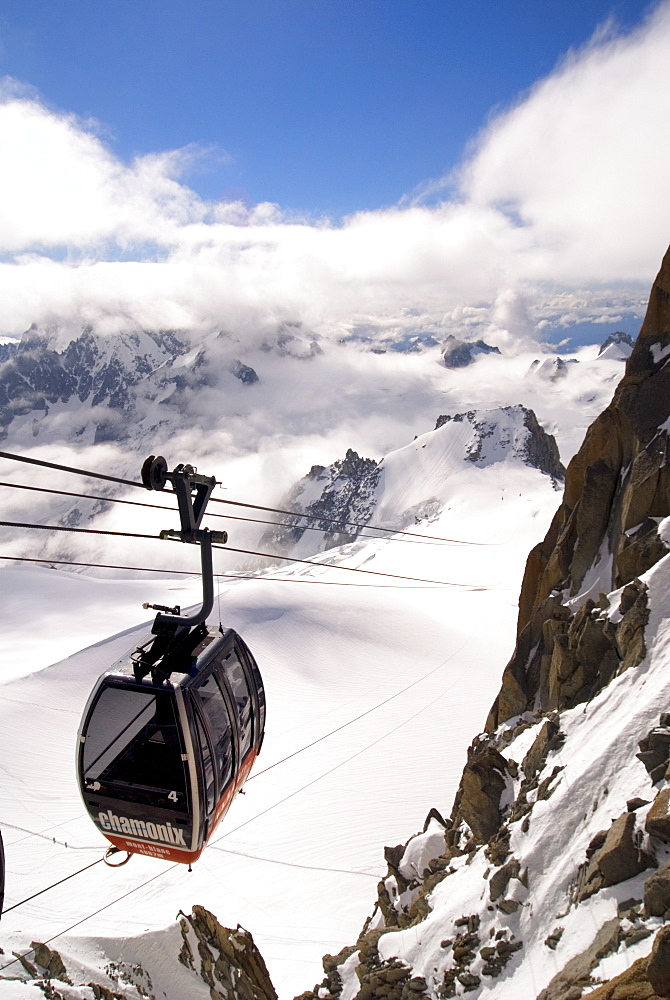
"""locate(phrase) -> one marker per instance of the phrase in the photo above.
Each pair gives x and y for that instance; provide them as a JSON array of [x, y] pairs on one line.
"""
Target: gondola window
[[133, 749], [207, 766], [240, 688], [215, 708]]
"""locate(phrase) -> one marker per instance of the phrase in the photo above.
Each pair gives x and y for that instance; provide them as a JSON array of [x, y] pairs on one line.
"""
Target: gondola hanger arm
[[193, 491]]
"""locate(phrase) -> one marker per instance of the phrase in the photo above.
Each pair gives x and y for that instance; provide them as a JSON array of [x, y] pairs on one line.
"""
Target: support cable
[[226, 576], [258, 815], [235, 503], [247, 552], [228, 517]]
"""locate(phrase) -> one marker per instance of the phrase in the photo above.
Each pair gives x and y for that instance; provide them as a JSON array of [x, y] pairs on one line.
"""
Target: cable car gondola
[[170, 732]]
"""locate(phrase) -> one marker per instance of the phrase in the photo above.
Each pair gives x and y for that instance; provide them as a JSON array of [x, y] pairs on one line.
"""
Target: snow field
[[600, 773], [423, 662]]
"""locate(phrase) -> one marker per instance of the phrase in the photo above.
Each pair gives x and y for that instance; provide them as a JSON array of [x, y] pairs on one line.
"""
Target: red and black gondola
[[160, 763], [170, 732]]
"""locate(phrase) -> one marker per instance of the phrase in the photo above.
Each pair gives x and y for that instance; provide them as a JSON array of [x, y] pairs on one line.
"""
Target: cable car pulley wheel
[[154, 472]]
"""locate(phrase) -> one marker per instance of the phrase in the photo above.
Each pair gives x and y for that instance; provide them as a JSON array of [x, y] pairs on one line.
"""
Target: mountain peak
[[461, 353]]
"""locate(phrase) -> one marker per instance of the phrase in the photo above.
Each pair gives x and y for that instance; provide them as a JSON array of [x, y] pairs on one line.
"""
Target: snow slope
[[599, 775], [411, 668], [375, 686]]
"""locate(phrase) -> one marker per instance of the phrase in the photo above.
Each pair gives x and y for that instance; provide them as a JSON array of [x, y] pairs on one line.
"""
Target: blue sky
[[321, 106], [487, 169]]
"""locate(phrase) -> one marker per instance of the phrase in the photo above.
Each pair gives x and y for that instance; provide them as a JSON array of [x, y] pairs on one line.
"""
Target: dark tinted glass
[[260, 690], [238, 682], [133, 748], [214, 706], [207, 766]]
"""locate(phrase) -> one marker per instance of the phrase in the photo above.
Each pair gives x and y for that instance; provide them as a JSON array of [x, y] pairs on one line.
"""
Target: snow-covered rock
[[618, 345]]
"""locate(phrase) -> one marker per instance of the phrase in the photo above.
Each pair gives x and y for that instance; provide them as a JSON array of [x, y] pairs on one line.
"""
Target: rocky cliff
[[331, 499], [550, 879], [604, 536], [210, 961]]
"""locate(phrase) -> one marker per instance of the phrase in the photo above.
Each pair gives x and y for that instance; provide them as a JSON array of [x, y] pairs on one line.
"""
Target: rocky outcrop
[[228, 961], [510, 431], [461, 353], [343, 498], [604, 534], [647, 979], [478, 798], [245, 373], [552, 369], [622, 342]]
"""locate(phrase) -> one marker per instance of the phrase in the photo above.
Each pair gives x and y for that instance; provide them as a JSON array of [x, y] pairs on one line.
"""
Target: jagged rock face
[[118, 373], [617, 488], [343, 491], [99, 371], [460, 353], [511, 431], [228, 961]]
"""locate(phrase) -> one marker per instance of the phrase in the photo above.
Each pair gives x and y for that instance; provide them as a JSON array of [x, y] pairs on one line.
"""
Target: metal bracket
[[185, 481], [193, 492]]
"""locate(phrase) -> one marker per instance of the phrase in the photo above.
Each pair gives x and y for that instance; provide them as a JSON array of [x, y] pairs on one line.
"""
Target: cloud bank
[[558, 214]]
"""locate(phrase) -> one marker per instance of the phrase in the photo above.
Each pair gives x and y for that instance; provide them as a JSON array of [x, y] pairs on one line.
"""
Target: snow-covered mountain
[[411, 485], [375, 685]]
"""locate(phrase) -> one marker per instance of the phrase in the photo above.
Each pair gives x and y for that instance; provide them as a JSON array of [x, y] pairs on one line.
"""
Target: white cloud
[[567, 188], [581, 161]]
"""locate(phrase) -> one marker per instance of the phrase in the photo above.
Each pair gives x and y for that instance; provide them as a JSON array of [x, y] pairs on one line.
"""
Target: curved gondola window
[[133, 748], [207, 766], [215, 708], [238, 682]]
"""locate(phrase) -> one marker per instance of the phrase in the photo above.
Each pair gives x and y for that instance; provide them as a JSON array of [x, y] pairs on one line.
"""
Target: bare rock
[[228, 961], [501, 878], [50, 961], [658, 969], [632, 984], [620, 858], [657, 893], [482, 784], [658, 818], [549, 738], [655, 751], [611, 860]]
